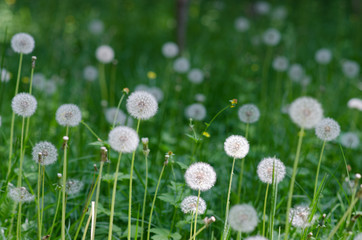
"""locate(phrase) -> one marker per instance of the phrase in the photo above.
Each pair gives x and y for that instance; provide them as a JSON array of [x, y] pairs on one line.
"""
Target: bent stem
[[291, 188], [144, 196], [197, 211], [199, 231], [64, 182], [228, 201], [93, 133], [264, 211], [319, 165], [55, 215]]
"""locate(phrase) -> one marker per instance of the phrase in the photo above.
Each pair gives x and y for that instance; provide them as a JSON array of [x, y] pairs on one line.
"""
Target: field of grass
[[231, 55]]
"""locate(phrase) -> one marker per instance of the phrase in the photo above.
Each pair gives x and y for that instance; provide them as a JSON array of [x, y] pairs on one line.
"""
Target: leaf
[[182, 165], [164, 234], [167, 197]]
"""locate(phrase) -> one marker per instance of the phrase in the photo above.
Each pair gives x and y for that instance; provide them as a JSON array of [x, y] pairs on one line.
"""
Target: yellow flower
[[233, 102], [151, 75], [206, 134]]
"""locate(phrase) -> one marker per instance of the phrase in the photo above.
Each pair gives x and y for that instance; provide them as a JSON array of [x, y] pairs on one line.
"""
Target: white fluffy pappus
[[265, 170], [142, 105], [327, 129], [68, 115], [123, 139], [196, 111], [243, 218], [24, 104], [189, 204], [306, 112], [200, 176], [181, 65], [22, 43], [105, 54], [49, 153], [170, 50], [236, 146], [249, 113]]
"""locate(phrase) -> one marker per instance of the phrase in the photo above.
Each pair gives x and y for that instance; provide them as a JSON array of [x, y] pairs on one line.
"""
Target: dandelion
[[327, 129], [243, 218], [350, 140], [280, 64], [105, 54], [236, 146], [271, 37], [355, 103], [199, 97], [279, 13], [195, 76], [68, 115], [181, 65], [256, 238], [196, 111], [323, 56], [20, 194], [299, 217], [24, 104], [200, 176], [39, 81], [358, 237], [96, 26], [90, 73], [350, 68], [242, 24], [262, 7], [249, 113], [189, 205], [22, 43], [142, 105], [296, 72], [141, 87], [49, 153], [265, 170], [112, 112], [4, 75], [123, 139], [156, 92], [50, 87], [306, 112], [73, 186], [170, 50]]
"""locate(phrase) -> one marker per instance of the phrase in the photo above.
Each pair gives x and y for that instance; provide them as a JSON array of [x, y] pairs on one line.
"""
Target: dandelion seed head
[[181, 65], [68, 115], [199, 97], [156, 92], [20, 194], [170, 50], [90, 73], [142, 105], [96, 26], [306, 112], [350, 68], [279, 13], [188, 205], [271, 37], [123, 139], [49, 153], [358, 237], [327, 129], [242, 24], [355, 103], [249, 113], [243, 218], [195, 76], [4, 75], [305, 81], [105, 54], [299, 217], [236, 146], [39, 81], [200, 176], [22, 43], [265, 170], [112, 112], [280, 64], [24, 104], [350, 140], [323, 56], [73, 186], [262, 7], [256, 238], [296, 72], [196, 111]]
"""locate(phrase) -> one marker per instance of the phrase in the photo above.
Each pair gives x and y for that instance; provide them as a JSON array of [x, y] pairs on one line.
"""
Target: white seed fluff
[[236, 146], [243, 218], [355, 103], [90, 73], [358, 237], [181, 65], [68, 115], [4, 75], [256, 238], [24, 104], [22, 43], [262, 7], [249, 113], [200, 176], [242, 24], [20, 194], [189, 204], [123, 139], [156, 92], [306, 112], [39, 81], [195, 76], [265, 170], [350, 140], [196, 111], [299, 217], [49, 153], [296, 72], [96, 26], [271, 37], [112, 112], [170, 50], [279, 13], [142, 105], [73, 186], [327, 129], [280, 64], [105, 54], [350, 68], [323, 56], [199, 97]]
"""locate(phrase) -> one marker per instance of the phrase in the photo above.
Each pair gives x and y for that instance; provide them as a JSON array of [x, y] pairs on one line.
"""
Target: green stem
[[153, 202], [64, 182], [38, 210], [197, 211], [42, 200], [94, 134], [144, 196], [97, 198], [21, 154], [114, 197], [238, 237], [274, 206], [118, 107], [242, 167], [199, 231], [102, 81], [291, 188], [192, 221], [87, 225], [18, 229], [265, 201], [55, 215], [228, 201], [319, 165]]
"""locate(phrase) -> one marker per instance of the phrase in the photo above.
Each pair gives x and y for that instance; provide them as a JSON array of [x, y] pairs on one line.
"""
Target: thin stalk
[[114, 197], [242, 167], [238, 237], [118, 107], [42, 200], [319, 165], [21, 154], [197, 211], [18, 223], [38, 210], [87, 226], [28, 119], [55, 215], [153, 203], [97, 198], [64, 182], [192, 221], [264, 211], [93, 133], [274, 205], [199, 231], [291, 188], [228, 201], [144, 196], [130, 188]]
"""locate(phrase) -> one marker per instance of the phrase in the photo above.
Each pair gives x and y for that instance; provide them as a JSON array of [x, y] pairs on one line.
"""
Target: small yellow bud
[[206, 134], [125, 90], [233, 102], [151, 75]]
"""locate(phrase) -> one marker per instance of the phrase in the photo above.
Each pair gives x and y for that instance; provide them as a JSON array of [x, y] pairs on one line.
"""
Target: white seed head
[[249, 113], [142, 105], [242, 24], [196, 111], [188, 205], [39, 81], [22, 43], [323, 56], [73, 186], [305, 81], [4, 75], [105, 54], [306, 112], [236, 146], [145, 140], [200, 176], [262, 7], [112, 112], [327, 129], [350, 140], [279, 13], [96, 27], [24, 104], [355, 103], [265, 170], [49, 153], [271, 37], [358, 237], [200, 97], [170, 50], [20, 194], [196, 76], [280, 64], [68, 115], [296, 72], [181, 65], [156, 92], [243, 218], [299, 217], [256, 238], [123, 139], [90, 73], [350, 68]]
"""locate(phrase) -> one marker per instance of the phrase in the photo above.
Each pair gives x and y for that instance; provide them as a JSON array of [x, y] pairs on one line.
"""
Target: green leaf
[[167, 197], [182, 165]]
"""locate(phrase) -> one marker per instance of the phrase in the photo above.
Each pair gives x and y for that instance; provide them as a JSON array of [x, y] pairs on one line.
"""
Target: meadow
[[146, 120]]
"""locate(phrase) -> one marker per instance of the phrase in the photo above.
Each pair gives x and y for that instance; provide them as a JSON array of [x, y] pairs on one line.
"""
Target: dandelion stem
[[64, 182], [274, 204], [87, 225], [153, 203], [242, 167], [199, 231], [97, 198], [264, 211], [291, 188], [192, 221], [38, 200], [197, 211], [55, 215], [42, 199], [238, 236], [102, 81], [94, 134], [228, 201], [118, 107], [114, 197], [319, 165], [18, 229], [145, 195]]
